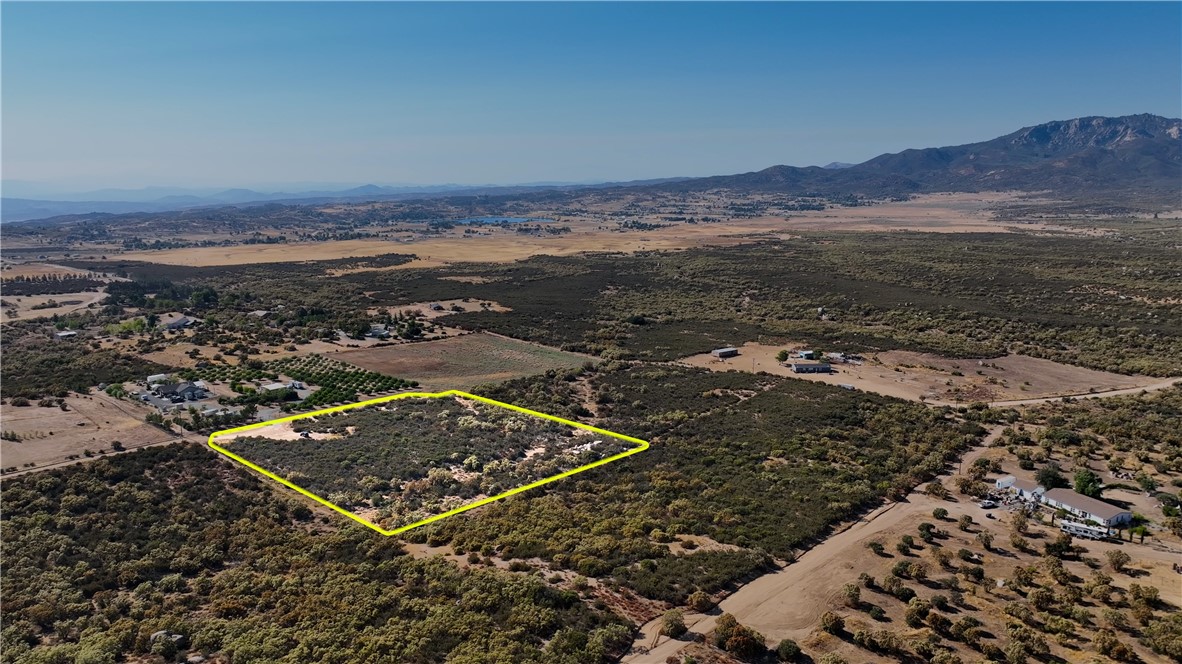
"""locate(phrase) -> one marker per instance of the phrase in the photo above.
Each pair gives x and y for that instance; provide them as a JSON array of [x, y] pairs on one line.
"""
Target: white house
[[1024, 489], [1088, 509]]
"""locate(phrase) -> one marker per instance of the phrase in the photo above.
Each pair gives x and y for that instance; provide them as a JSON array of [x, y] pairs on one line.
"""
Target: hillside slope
[[1130, 159]]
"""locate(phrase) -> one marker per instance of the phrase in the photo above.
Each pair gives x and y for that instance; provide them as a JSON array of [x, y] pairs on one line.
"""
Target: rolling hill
[[1135, 158]]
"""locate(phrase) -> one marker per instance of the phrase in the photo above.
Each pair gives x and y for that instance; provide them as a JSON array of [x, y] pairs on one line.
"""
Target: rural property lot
[[460, 363], [94, 422], [915, 376], [22, 307], [443, 453]]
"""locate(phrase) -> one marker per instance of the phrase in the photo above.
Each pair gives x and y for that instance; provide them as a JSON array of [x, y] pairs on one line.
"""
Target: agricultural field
[[462, 363], [336, 382], [404, 460], [53, 430]]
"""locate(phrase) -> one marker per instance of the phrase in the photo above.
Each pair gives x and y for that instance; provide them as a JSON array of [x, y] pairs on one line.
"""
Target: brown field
[[462, 362], [69, 302], [921, 376], [92, 423], [944, 213], [10, 269]]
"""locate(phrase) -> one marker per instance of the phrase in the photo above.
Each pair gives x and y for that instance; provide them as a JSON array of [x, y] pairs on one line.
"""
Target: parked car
[[988, 504]]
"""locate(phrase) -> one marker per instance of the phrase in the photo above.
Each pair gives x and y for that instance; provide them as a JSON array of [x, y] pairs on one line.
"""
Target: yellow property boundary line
[[642, 445]]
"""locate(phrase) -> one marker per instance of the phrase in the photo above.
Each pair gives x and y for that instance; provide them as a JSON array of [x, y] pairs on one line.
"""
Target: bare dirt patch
[[932, 378], [94, 422], [14, 269], [446, 307], [22, 307], [462, 362]]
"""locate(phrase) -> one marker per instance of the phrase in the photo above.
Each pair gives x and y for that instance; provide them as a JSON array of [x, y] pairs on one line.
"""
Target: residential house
[[1024, 489], [811, 367], [1087, 508]]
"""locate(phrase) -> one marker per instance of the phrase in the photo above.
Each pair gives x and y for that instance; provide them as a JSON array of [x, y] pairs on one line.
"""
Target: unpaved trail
[[783, 604], [128, 447], [1165, 384]]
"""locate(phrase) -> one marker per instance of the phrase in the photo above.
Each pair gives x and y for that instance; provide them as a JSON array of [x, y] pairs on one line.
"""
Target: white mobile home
[[1088, 509]]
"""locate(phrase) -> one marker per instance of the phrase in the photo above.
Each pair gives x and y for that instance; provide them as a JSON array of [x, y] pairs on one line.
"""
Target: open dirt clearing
[[424, 309], [461, 363], [1010, 380], [10, 269], [94, 422], [67, 303]]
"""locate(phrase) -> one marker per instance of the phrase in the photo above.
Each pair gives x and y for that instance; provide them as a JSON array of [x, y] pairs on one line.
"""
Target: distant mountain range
[[120, 201], [108, 201], [1134, 160], [1130, 159]]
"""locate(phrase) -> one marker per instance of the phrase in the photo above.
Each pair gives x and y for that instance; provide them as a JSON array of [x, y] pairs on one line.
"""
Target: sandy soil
[[462, 362], [176, 355], [425, 311], [1009, 380], [10, 269], [277, 431], [92, 422], [69, 302]]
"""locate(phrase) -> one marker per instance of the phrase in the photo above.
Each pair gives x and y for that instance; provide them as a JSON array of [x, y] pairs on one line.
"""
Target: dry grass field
[[12, 269], [463, 362], [943, 213], [932, 378], [94, 422], [22, 307]]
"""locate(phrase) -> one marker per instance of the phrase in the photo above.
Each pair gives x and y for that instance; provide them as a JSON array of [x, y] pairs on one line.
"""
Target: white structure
[[1024, 489], [1088, 509], [1083, 530], [729, 351], [275, 387], [156, 379]]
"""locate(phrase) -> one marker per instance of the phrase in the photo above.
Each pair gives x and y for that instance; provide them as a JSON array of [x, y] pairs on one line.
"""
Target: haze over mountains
[[1132, 160]]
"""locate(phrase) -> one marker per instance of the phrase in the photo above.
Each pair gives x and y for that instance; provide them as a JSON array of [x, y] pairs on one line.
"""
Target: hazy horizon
[[99, 96]]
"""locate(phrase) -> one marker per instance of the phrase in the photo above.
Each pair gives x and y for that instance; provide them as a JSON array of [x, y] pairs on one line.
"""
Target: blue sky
[[234, 94]]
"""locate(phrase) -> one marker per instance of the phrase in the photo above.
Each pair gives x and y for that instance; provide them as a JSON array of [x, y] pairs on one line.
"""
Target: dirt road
[[187, 438], [1169, 382], [783, 604]]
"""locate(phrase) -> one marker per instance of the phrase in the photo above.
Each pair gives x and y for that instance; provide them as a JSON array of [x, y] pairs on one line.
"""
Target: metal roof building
[[1090, 509]]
